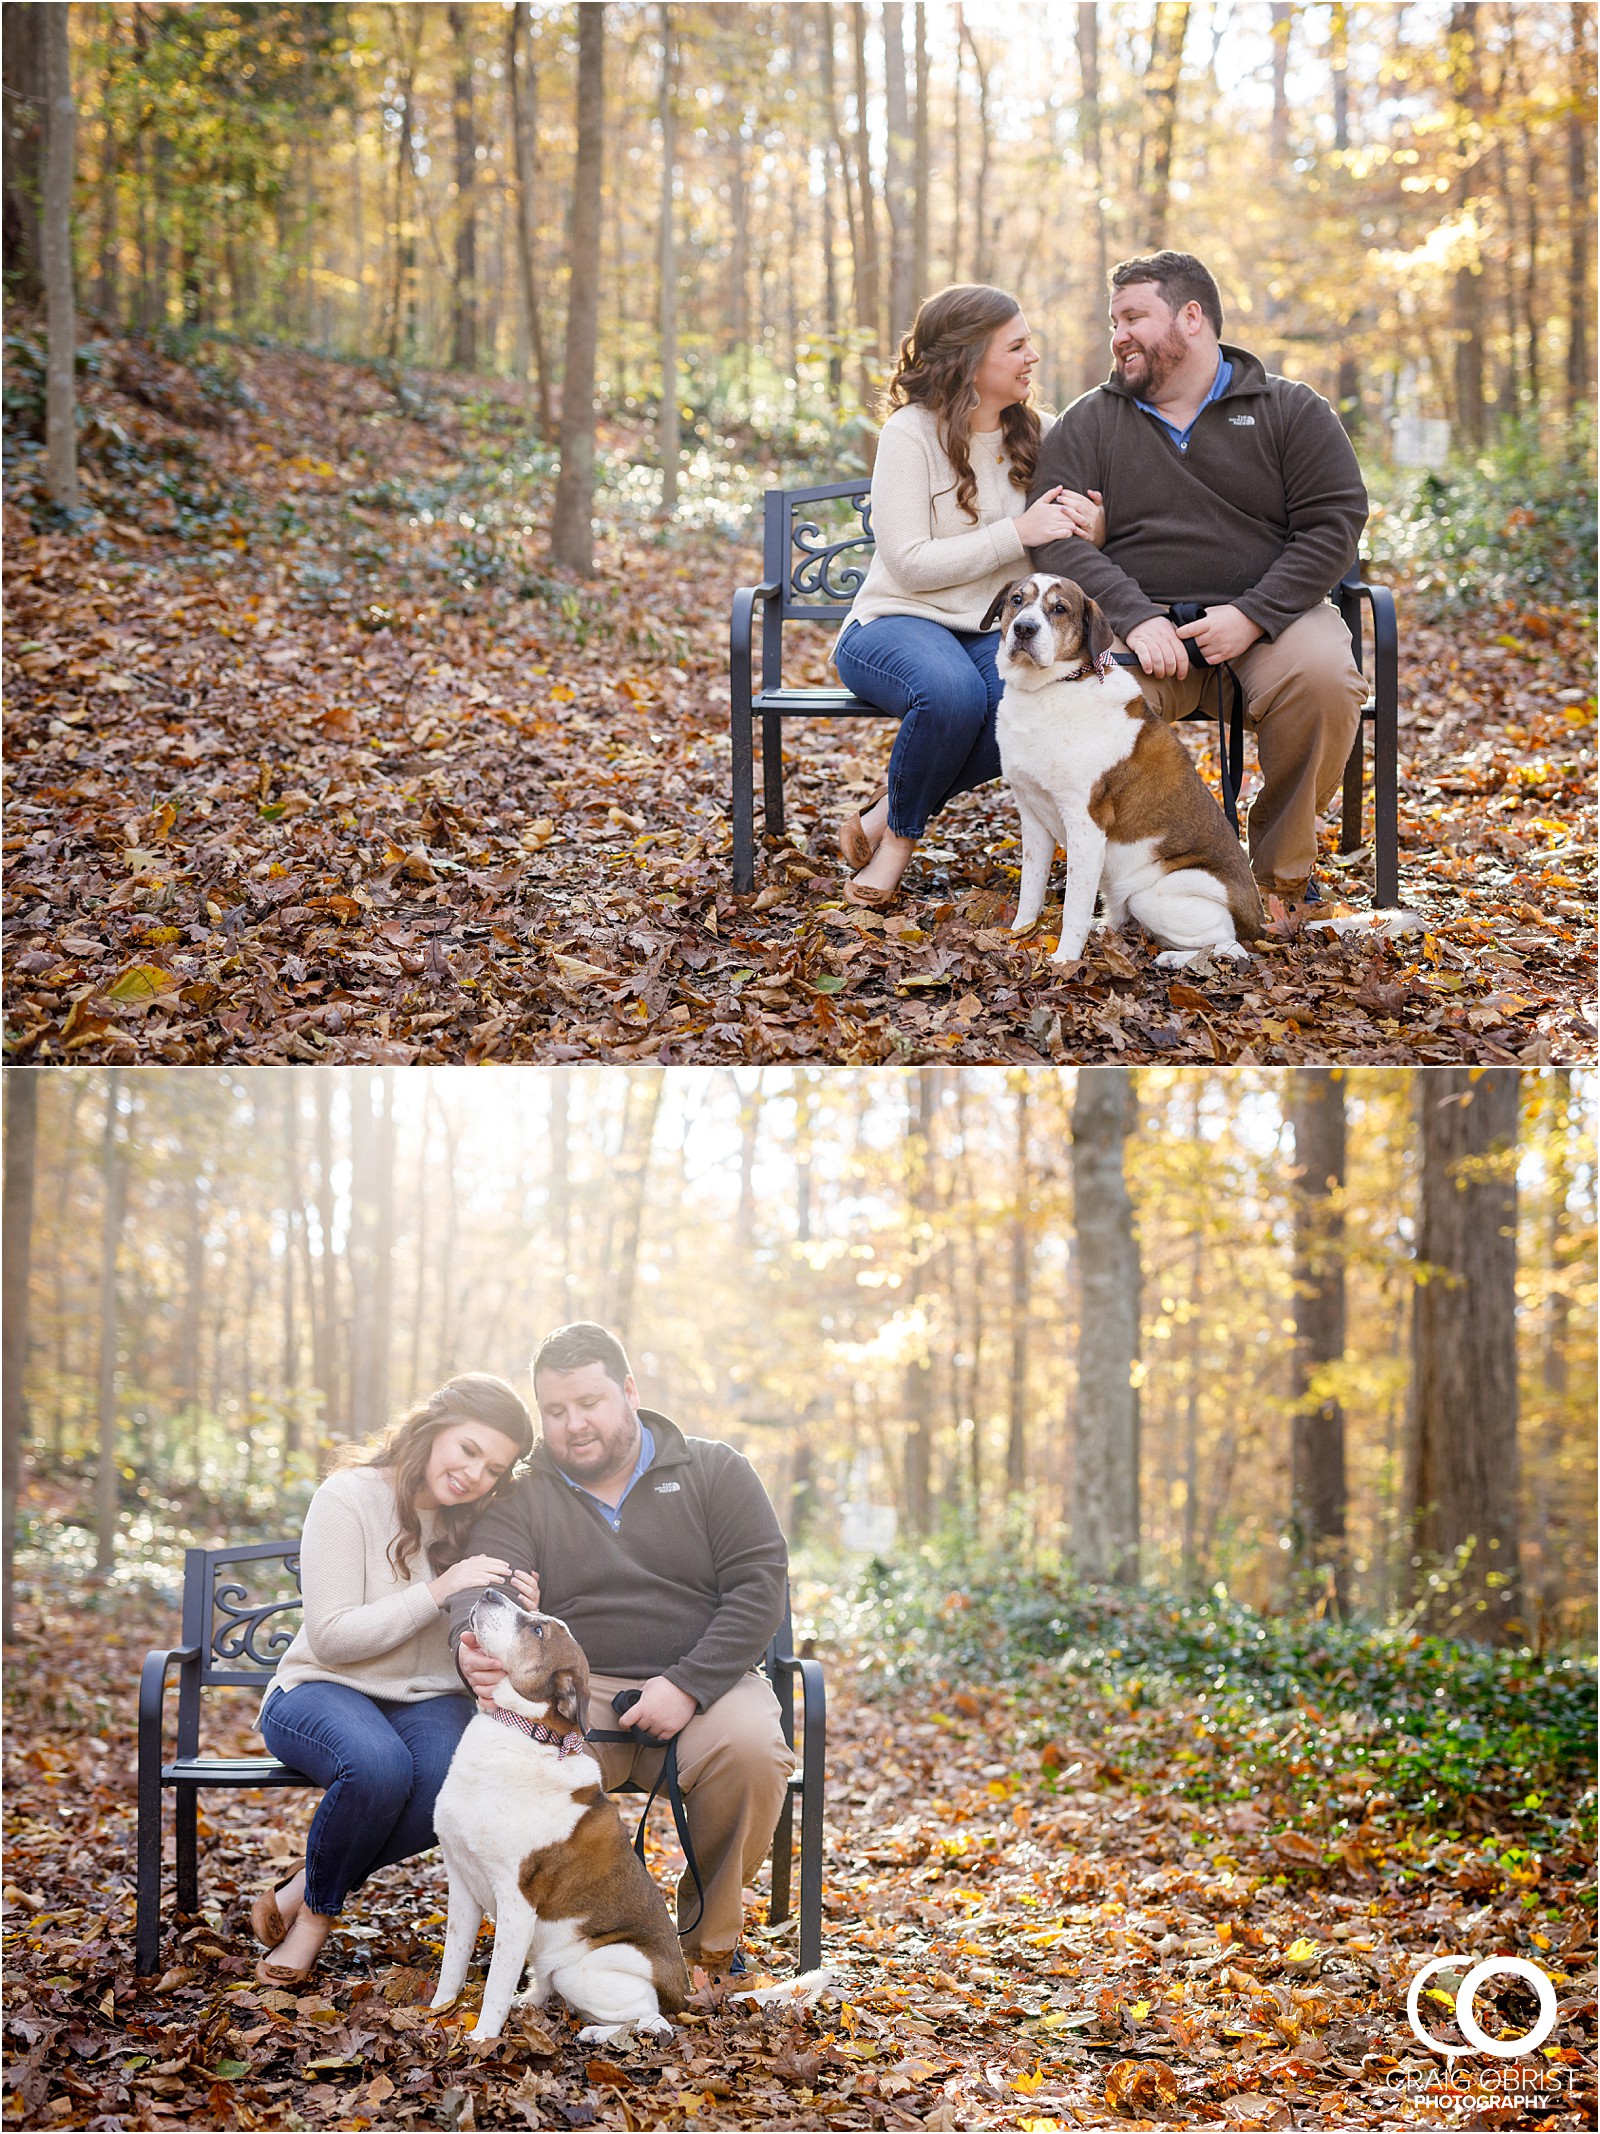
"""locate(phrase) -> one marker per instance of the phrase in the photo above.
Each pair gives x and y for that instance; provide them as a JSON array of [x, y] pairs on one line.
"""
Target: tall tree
[[921, 1089], [633, 1177], [1090, 117], [572, 524], [61, 398], [869, 300], [896, 174], [1169, 30], [1105, 1499], [23, 33], [1021, 1227], [1580, 163], [522, 85], [464, 284], [1467, 289], [1316, 1423], [16, 1260], [1462, 1454], [667, 444], [922, 169], [114, 1197]]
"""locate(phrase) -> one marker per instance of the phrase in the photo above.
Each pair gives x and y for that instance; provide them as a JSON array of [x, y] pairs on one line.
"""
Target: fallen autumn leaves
[[1027, 1938], [311, 760]]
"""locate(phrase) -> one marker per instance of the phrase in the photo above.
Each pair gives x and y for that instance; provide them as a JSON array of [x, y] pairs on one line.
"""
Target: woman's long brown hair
[[939, 359], [473, 1397]]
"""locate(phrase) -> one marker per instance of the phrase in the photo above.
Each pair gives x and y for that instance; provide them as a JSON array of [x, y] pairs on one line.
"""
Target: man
[[664, 1557], [1225, 484]]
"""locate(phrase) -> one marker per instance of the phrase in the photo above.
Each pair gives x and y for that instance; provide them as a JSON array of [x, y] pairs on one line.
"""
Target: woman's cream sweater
[[364, 1625], [929, 558]]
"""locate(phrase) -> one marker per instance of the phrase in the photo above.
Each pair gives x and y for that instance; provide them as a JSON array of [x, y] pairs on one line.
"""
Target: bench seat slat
[[230, 1771]]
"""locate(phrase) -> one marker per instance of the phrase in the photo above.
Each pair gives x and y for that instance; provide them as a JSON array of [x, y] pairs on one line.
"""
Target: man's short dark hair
[[569, 1348], [1182, 280]]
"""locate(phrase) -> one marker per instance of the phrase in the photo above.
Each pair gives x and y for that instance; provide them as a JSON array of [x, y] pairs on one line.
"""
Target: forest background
[[1241, 1332], [370, 695]]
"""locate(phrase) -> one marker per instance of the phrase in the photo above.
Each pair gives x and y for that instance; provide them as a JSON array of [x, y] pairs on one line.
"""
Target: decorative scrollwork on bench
[[820, 575], [237, 1635]]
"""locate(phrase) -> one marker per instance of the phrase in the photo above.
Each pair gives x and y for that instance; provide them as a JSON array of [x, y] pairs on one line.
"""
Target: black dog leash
[[1230, 717], [667, 1776]]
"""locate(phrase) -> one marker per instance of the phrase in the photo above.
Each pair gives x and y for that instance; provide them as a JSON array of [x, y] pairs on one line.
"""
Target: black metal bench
[[240, 1613], [812, 571]]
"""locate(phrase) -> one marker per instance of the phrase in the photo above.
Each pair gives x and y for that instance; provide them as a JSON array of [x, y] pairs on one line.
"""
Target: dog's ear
[[569, 1693], [999, 602], [1098, 635]]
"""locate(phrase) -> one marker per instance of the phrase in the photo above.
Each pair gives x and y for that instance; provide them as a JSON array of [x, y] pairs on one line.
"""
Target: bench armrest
[[813, 1702], [152, 1697], [741, 643]]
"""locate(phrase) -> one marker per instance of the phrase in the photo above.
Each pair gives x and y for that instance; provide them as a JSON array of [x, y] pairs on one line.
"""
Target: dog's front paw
[[1176, 959], [1068, 949], [484, 2034], [603, 2033], [441, 2001]]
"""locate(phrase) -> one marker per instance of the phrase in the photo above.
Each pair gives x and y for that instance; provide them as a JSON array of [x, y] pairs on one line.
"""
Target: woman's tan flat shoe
[[284, 1975], [867, 893], [855, 847], [266, 1921]]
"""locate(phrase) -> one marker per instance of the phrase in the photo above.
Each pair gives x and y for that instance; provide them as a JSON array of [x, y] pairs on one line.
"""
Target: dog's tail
[[804, 1991]]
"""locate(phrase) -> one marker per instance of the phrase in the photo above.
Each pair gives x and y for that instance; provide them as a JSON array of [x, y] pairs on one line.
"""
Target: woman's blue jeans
[[943, 687], [381, 1764]]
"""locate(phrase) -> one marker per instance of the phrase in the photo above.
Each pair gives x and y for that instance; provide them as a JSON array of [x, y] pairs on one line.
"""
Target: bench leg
[[1386, 798], [744, 805], [782, 1854], [147, 1916], [811, 1873], [1354, 792], [772, 772], [188, 1893]]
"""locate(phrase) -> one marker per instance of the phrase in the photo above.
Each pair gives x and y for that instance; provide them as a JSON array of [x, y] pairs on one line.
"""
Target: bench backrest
[[816, 546], [241, 1609]]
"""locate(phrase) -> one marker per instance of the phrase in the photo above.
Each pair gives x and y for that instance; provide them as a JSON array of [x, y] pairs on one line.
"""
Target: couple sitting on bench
[[1191, 471], [661, 1553]]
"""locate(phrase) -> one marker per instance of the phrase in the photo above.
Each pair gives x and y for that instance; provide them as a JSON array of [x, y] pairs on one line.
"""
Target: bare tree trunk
[[1347, 393], [16, 1259], [1168, 35], [114, 1181], [982, 236], [1105, 1527], [667, 444], [335, 1418], [293, 1223], [633, 1176], [1467, 295], [921, 1100], [1089, 71], [1021, 1295], [561, 1190], [869, 301], [902, 297], [61, 433], [831, 152], [572, 530], [1580, 155], [404, 245], [107, 292], [1462, 1458], [922, 179], [1316, 1425], [24, 32], [522, 82], [464, 289]]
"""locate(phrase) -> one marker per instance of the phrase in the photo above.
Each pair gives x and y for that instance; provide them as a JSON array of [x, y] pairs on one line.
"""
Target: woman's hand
[[1059, 515], [463, 1576]]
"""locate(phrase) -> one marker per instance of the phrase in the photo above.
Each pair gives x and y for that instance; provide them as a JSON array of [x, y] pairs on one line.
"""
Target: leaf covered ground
[[1041, 1916], [312, 757]]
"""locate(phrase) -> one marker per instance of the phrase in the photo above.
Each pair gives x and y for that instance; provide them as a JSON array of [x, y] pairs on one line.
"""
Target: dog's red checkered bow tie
[[567, 1744]]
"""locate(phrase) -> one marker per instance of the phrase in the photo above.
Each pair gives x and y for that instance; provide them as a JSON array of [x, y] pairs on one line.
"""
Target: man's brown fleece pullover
[[1263, 509], [692, 1584]]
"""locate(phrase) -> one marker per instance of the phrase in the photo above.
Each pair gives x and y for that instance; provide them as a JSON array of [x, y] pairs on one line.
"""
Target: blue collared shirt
[[1219, 385], [612, 1513]]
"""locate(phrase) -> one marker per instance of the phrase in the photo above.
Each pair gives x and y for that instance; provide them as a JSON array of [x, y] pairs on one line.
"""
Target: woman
[[955, 458], [367, 1701]]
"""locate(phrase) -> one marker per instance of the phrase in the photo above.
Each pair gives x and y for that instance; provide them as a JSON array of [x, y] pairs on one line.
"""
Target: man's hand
[[481, 1671], [1221, 634], [1158, 647], [662, 1710]]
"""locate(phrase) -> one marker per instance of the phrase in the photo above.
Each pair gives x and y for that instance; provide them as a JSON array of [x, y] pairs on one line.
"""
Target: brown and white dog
[[530, 1837], [1094, 770]]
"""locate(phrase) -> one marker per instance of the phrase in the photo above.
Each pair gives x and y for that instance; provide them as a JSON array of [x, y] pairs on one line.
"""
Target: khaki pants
[[1303, 694], [734, 1767]]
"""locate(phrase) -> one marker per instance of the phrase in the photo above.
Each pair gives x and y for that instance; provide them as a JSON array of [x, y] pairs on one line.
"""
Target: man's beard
[[607, 1455], [1161, 363]]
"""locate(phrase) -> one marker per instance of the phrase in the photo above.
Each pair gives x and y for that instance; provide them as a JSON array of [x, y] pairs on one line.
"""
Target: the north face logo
[[665, 1489], [1243, 422]]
